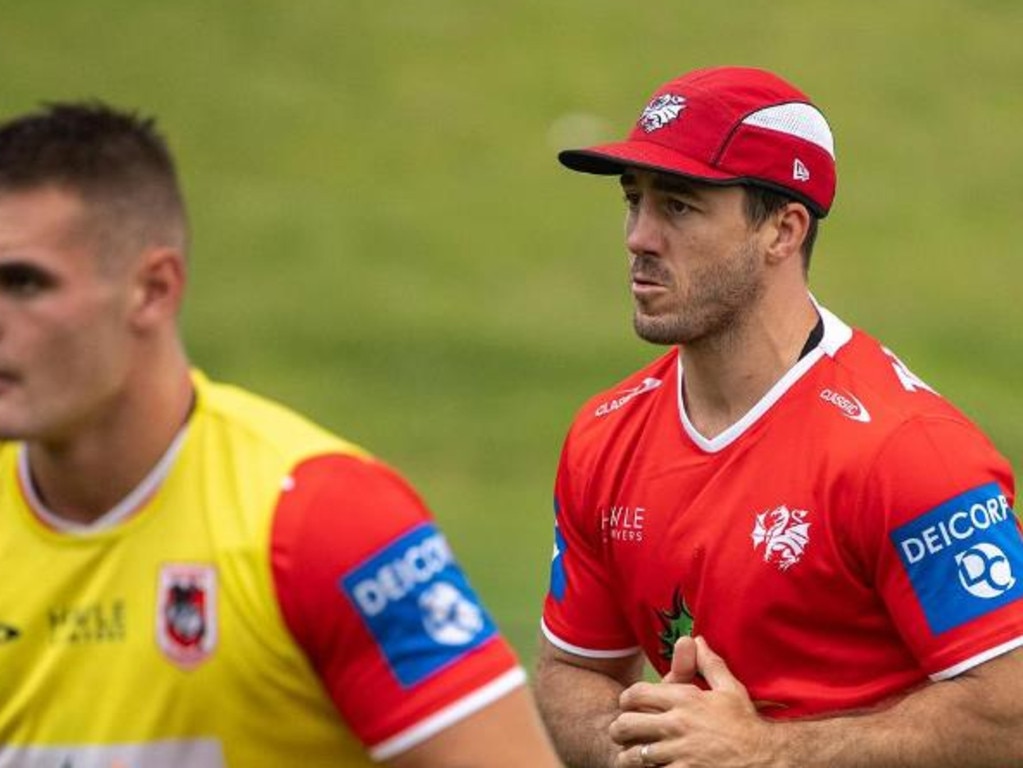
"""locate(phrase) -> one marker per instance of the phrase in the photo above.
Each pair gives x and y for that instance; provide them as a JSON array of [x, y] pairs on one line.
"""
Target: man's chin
[[657, 330]]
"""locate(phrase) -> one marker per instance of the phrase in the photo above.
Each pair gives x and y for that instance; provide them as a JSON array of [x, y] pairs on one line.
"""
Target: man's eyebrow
[[676, 184], [663, 182]]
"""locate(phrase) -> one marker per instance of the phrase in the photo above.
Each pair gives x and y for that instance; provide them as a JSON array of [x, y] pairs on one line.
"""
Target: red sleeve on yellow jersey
[[948, 556], [370, 590]]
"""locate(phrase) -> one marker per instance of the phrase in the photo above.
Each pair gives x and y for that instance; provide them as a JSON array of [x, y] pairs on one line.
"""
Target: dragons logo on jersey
[[784, 533], [661, 111], [186, 618], [676, 622]]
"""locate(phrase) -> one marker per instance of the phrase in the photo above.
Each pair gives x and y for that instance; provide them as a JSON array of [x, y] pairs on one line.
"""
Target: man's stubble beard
[[715, 305]]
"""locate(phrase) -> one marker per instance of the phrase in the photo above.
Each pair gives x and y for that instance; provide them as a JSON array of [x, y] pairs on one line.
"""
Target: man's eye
[[23, 280], [676, 206], [631, 199]]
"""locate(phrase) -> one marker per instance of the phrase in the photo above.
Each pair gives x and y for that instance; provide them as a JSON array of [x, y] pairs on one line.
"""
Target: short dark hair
[[115, 160], [761, 202]]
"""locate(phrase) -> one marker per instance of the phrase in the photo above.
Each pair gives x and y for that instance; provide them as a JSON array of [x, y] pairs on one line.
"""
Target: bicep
[[621, 670]]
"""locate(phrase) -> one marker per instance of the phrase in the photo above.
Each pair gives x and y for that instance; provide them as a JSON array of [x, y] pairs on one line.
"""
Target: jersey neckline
[[836, 335], [117, 514]]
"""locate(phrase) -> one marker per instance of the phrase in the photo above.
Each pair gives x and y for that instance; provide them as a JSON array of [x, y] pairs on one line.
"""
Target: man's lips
[[646, 283]]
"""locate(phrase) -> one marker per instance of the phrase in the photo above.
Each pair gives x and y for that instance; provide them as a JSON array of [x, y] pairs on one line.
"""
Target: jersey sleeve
[[581, 611], [371, 591], [949, 554]]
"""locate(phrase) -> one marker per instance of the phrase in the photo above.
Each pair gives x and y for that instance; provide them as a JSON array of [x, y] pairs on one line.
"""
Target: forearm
[[972, 721], [952, 724], [578, 703]]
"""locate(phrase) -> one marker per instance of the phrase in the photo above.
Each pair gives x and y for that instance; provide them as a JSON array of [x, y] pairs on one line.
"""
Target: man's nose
[[642, 230]]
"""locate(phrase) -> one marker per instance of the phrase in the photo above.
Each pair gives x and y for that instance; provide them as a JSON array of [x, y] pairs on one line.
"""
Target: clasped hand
[[680, 724]]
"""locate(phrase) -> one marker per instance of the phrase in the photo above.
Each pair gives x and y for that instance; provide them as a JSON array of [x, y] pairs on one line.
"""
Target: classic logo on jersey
[[647, 385], [559, 581], [186, 613], [784, 534], [963, 558], [417, 605], [167, 753], [8, 633], [660, 111], [676, 622], [847, 403]]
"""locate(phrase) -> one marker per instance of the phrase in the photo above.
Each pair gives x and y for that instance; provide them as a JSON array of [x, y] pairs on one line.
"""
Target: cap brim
[[612, 159]]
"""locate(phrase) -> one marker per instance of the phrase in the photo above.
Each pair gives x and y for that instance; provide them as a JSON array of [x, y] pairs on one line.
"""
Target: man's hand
[[679, 723]]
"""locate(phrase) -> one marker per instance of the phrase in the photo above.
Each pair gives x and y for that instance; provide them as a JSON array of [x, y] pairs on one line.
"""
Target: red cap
[[727, 125]]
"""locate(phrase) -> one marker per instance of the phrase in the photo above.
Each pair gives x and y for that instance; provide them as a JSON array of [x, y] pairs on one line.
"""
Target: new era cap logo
[[799, 171]]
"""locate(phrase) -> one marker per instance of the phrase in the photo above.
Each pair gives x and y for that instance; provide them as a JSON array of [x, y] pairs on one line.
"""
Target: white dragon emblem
[[784, 533], [661, 111]]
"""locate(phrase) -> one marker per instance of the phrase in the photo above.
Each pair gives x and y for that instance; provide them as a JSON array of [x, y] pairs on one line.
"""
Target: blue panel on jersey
[[558, 578], [964, 557], [418, 605]]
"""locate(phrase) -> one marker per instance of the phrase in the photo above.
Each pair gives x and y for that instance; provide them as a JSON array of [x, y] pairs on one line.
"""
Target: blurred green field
[[384, 240]]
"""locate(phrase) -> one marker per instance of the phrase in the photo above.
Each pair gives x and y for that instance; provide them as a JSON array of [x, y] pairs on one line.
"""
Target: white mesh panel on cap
[[800, 120]]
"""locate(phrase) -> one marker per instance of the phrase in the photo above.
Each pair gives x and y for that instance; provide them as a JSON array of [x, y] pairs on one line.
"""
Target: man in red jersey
[[815, 550], [193, 575]]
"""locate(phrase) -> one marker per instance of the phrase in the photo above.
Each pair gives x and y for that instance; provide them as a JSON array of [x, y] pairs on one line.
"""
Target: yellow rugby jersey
[[278, 597]]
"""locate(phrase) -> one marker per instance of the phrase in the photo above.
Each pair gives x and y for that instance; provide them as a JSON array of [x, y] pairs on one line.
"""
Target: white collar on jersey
[[116, 514], [836, 336]]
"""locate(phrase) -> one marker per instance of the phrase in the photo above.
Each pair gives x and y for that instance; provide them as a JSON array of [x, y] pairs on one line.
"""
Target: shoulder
[[884, 385], [246, 422], [909, 445], [344, 507], [629, 399]]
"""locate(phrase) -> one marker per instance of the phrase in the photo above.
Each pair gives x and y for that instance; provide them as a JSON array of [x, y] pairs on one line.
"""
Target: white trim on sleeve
[[589, 653], [977, 660], [450, 715]]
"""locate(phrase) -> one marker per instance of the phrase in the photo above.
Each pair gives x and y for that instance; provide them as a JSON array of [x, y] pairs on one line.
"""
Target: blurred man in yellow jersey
[[195, 576]]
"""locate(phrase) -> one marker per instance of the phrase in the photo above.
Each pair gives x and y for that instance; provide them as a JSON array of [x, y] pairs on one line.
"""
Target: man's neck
[[726, 376], [81, 479]]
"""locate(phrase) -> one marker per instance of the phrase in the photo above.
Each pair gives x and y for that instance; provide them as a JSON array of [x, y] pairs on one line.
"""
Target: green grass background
[[384, 240]]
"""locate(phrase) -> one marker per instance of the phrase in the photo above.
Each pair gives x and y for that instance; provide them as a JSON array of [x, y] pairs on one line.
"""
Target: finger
[[634, 728], [654, 697], [683, 661], [629, 758], [714, 670], [634, 757]]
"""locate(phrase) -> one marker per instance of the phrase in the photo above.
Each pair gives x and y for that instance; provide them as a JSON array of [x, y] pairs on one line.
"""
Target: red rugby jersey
[[848, 538]]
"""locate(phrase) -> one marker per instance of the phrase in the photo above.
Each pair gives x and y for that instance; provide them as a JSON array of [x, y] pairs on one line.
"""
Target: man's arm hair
[[974, 720], [578, 699]]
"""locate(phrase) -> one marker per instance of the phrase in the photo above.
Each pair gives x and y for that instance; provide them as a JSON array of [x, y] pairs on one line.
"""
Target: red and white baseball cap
[[727, 125]]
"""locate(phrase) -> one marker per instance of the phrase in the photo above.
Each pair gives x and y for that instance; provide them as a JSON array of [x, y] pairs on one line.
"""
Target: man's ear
[[159, 287], [791, 226]]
